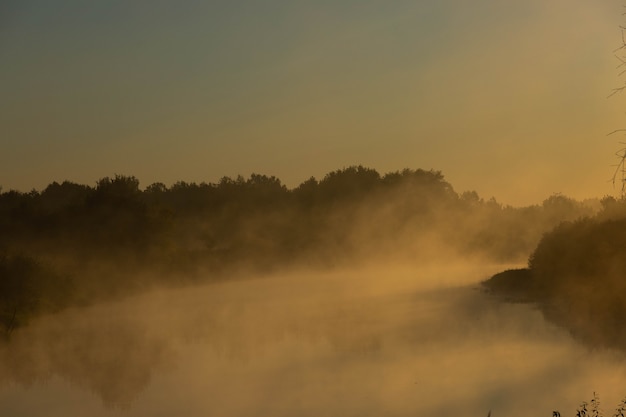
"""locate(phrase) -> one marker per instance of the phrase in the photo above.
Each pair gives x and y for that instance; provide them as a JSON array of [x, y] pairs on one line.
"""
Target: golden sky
[[505, 98]]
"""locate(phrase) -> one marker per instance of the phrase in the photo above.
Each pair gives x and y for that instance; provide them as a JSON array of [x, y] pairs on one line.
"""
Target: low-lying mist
[[358, 294], [392, 340]]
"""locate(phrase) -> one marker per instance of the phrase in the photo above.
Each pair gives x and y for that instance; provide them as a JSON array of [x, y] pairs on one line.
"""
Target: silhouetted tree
[[348, 183]]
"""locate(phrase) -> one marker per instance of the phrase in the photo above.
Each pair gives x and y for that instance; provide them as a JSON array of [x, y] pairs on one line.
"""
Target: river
[[381, 341]]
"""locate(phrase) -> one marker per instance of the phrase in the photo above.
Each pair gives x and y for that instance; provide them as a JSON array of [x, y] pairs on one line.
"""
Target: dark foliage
[[577, 275], [28, 288], [116, 238], [512, 283]]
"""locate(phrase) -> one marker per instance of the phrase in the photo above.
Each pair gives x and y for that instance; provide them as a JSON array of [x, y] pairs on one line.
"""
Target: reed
[[592, 409]]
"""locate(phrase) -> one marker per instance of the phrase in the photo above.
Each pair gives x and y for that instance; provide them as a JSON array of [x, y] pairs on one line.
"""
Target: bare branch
[[615, 91], [615, 131]]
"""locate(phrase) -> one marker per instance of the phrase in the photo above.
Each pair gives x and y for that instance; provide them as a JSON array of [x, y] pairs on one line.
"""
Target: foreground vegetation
[[592, 408], [72, 243]]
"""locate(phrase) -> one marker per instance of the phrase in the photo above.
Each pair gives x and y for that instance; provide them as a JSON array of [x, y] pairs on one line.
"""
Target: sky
[[505, 98]]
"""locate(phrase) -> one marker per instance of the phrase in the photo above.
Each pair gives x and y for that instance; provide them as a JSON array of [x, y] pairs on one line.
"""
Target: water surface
[[378, 342]]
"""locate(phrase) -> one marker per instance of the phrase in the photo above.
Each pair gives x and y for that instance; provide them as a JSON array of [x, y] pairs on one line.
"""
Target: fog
[[386, 340], [358, 294]]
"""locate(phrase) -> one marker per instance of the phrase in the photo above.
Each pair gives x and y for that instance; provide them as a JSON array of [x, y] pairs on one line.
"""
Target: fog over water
[[383, 341], [292, 248]]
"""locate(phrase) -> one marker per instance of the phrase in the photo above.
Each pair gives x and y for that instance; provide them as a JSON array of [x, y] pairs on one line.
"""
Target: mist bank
[[116, 239], [368, 342], [577, 276]]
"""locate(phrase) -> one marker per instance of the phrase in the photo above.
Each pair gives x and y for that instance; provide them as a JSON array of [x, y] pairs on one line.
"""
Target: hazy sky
[[507, 98]]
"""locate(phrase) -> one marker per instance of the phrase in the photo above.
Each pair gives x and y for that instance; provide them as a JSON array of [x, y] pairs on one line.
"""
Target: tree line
[[73, 243]]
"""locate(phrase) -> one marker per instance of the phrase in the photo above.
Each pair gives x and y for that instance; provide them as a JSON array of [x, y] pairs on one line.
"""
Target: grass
[[592, 408]]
